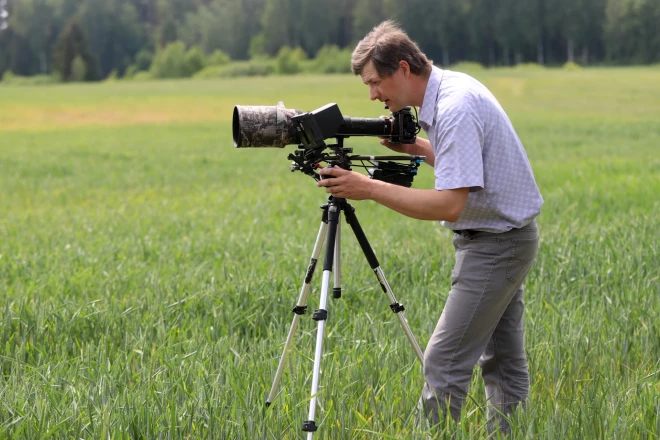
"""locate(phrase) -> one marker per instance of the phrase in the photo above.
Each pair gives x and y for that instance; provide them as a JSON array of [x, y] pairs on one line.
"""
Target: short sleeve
[[458, 141]]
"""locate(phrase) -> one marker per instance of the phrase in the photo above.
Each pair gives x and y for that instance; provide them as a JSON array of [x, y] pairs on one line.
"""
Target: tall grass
[[148, 269]]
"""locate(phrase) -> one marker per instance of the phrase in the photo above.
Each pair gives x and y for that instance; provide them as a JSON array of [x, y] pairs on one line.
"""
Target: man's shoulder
[[461, 92], [457, 94], [460, 85]]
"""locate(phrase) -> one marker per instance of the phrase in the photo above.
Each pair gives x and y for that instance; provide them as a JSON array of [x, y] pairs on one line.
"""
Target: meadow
[[148, 268]]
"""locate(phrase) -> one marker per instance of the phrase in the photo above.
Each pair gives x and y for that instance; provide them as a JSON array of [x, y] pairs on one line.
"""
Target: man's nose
[[373, 93]]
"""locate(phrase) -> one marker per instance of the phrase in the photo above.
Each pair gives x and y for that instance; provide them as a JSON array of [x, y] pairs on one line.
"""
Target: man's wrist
[[408, 149], [375, 186]]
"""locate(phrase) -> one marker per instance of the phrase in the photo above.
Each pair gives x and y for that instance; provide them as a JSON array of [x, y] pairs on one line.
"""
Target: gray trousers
[[482, 322]]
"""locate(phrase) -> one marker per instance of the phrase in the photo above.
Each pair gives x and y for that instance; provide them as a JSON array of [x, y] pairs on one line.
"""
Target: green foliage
[[142, 76], [131, 71], [503, 33], [632, 34], [9, 79], [277, 22], [78, 69], [571, 66], [112, 77], [331, 59], [5, 40], [257, 46], [143, 60], [235, 69], [368, 13], [142, 63], [114, 32], [73, 59], [167, 32], [289, 61], [7, 76], [529, 66], [218, 58], [226, 25], [210, 72], [466, 67], [175, 62], [255, 67], [32, 28], [194, 60]]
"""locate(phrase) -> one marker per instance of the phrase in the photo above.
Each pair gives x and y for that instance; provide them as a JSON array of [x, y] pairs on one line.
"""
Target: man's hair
[[385, 46]]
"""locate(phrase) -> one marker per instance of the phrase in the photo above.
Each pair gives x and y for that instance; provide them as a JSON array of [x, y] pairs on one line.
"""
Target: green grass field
[[148, 268]]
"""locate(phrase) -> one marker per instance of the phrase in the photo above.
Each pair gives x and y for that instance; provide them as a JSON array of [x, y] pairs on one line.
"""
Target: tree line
[[92, 39]]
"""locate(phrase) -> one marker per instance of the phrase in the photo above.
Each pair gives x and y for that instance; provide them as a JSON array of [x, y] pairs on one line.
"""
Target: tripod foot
[[309, 426], [320, 315]]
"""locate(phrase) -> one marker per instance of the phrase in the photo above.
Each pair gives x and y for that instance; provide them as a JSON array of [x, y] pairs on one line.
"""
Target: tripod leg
[[397, 308], [321, 314], [336, 289], [299, 309]]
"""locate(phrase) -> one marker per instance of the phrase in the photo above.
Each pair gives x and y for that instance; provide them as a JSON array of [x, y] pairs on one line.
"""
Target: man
[[485, 192]]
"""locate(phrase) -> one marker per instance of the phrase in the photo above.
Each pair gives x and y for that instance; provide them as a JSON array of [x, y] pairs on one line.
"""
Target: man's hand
[[345, 184], [399, 148]]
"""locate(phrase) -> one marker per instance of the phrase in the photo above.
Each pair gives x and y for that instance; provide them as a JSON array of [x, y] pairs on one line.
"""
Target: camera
[[277, 126]]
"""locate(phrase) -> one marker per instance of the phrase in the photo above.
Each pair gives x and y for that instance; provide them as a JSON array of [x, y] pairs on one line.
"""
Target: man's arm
[[421, 147], [422, 204]]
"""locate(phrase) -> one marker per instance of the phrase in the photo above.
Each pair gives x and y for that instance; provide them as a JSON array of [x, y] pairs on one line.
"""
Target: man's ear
[[405, 68]]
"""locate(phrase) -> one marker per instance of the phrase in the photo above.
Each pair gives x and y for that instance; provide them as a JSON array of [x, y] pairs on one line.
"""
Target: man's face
[[390, 90]]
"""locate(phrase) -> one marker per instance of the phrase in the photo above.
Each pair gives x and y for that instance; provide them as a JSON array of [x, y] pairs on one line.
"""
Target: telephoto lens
[[264, 126]]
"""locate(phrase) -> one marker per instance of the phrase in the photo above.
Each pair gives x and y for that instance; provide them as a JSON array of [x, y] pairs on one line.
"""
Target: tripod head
[[399, 170], [315, 127]]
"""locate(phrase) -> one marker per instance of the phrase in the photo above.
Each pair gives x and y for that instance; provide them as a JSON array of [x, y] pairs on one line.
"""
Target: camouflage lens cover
[[264, 126]]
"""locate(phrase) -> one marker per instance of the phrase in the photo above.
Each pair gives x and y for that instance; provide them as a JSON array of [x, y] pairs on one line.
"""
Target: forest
[[94, 39]]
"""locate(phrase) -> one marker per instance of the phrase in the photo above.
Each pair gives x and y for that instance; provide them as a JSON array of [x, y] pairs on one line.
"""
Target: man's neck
[[419, 87]]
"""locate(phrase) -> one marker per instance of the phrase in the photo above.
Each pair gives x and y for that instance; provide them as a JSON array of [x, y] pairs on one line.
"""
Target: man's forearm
[[422, 204], [422, 147]]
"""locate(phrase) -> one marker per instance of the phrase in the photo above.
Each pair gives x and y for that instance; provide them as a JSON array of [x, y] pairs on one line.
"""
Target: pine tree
[[70, 44]]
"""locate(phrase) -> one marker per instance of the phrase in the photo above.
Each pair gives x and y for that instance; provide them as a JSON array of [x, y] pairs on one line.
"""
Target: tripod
[[330, 225]]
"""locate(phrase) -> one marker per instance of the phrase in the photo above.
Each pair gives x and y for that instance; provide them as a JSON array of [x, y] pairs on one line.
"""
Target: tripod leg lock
[[320, 315], [300, 310], [396, 307], [309, 426]]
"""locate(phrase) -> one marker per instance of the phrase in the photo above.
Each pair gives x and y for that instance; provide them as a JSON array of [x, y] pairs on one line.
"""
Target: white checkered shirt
[[476, 146]]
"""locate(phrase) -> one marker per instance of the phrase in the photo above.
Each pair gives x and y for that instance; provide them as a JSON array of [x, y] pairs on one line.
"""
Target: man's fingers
[[331, 171], [327, 182]]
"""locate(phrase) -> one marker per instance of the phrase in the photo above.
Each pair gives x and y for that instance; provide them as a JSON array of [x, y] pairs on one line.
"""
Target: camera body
[[404, 127]]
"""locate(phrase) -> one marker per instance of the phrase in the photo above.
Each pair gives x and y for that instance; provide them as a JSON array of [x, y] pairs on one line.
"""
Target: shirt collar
[[427, 112]]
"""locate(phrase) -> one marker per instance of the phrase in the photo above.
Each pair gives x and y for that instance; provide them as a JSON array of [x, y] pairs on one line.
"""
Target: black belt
[[469, 233], [466, 233]]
